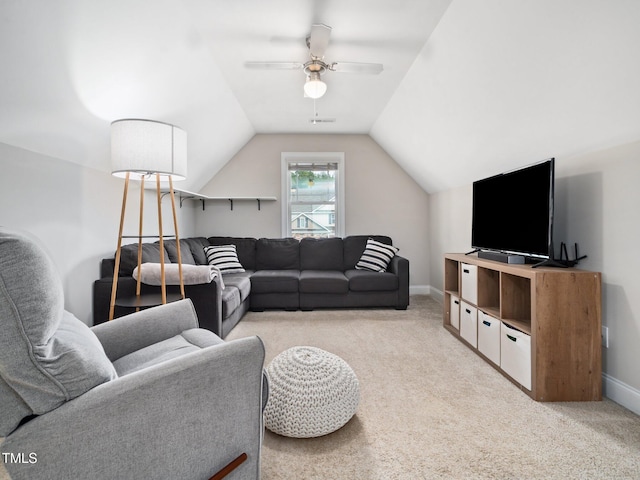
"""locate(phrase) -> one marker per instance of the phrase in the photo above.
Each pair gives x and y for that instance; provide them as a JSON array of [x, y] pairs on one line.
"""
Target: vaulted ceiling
[[468, 89]]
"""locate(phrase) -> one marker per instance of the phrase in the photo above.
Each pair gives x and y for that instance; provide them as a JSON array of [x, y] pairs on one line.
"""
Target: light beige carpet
[[431, 408]]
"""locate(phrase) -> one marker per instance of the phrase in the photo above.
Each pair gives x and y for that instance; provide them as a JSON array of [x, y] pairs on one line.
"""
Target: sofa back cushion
[[321, 254], [196, 245], [129, 257], [245, 249], [47, 356], [185, 252], [278, 254], [354, 248]]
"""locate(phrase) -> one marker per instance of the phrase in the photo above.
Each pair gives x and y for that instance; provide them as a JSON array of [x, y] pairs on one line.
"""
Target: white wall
[[75, 212], [380, 197], [502, 83], [597, 201]]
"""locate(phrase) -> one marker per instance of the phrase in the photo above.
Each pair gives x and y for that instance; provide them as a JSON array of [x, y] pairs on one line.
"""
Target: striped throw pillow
[[376, 256], [225, 258]]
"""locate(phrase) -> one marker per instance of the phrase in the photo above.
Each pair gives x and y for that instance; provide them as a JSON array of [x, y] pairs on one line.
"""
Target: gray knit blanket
[[191, 274]]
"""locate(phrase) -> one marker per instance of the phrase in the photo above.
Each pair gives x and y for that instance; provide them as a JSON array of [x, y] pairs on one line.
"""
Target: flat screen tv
[[513, 212]]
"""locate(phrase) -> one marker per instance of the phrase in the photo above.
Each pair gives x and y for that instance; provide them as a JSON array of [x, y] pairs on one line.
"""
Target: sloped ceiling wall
[[71, 67], [505, 83], [498, 83]]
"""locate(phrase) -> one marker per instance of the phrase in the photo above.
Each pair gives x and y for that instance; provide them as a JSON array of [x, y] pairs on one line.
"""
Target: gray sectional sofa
[[280, 273]]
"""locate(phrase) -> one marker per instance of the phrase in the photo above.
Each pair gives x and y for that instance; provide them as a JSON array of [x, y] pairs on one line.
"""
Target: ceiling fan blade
[[274, 65], [318, 39], [355, 67]]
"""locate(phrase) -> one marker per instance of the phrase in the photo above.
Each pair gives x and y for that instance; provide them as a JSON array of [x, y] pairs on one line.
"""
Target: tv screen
[[513, 211]]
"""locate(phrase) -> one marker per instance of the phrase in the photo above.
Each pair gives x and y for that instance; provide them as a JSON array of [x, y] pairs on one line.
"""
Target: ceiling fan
[[317, 43]]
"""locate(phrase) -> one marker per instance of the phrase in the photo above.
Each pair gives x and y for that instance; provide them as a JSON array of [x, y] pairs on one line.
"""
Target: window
[[313, 194]]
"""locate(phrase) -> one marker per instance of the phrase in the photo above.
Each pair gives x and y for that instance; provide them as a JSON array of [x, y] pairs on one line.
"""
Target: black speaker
[[501, 257]]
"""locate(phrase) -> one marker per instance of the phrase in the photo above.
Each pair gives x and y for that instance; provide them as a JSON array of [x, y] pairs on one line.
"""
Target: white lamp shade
[[140, 147], [314, 87]]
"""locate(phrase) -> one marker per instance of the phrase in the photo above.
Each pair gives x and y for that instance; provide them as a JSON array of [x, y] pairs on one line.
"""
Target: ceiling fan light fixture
[[314, 87]]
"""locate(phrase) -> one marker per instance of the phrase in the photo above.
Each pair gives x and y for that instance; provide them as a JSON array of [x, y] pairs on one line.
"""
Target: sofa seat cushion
[[323, 281], [188, 341], [242, 281], [231, 300], [275, 281], [368, 281]]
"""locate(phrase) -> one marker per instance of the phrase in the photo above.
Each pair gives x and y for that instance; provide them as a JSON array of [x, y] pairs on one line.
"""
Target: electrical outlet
[[605, 337]]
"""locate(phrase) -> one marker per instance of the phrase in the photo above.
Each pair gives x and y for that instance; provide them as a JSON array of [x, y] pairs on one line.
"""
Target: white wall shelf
[[186, 195]]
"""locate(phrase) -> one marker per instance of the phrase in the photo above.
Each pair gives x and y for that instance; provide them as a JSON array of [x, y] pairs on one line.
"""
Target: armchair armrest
[[127, 334], [184, 418]]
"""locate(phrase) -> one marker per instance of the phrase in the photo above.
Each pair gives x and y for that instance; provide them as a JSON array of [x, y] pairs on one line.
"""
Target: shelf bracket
[[231, 202], [258, 200], [182, 198]]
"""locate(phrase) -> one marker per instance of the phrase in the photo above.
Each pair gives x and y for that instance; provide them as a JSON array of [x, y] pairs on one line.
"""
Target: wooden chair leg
[[230, 467]]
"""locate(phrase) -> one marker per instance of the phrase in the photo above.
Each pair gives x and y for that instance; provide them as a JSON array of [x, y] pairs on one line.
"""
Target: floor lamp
[[146, 149]]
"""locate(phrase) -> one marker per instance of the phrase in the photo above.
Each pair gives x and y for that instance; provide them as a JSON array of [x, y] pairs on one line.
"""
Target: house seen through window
[[314, 198]]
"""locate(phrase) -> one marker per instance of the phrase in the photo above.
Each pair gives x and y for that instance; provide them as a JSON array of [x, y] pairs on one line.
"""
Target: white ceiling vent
[[322, 120]]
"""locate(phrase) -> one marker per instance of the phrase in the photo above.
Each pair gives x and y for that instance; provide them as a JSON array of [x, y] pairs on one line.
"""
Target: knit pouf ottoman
[[311, 393]]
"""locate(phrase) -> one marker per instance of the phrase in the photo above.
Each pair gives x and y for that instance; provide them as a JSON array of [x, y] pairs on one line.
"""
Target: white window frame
[[306, 157]]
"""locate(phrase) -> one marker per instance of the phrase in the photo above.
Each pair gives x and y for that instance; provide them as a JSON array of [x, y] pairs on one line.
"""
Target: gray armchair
[[148, 395]]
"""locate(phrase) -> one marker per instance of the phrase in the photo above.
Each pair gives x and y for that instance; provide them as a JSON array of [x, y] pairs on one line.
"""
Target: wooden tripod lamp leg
[[163, 281], [139, 282], [175, 227], [116, 268]]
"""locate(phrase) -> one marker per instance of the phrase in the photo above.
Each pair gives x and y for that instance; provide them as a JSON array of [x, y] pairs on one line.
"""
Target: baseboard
[[419, 290], [621, 393], [436, 294]]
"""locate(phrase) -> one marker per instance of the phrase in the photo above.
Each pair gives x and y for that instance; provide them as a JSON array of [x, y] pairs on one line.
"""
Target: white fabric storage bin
[[515, 355], [489, 336], [469, 283], [469, 323], [454, 312]]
